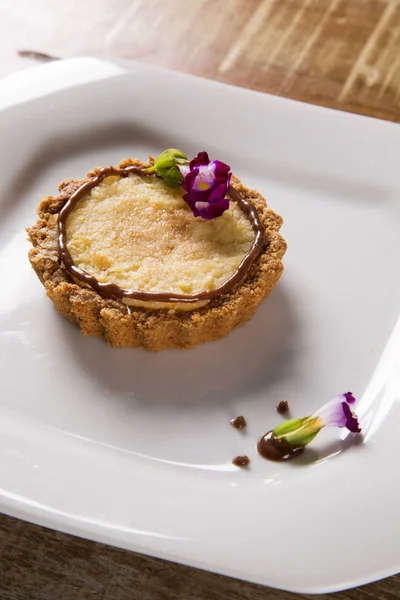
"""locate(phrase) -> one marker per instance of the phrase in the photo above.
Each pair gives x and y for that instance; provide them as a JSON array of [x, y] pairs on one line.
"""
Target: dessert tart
[[167, 254]]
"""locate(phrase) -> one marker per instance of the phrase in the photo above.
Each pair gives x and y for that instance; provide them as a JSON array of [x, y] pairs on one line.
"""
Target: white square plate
[[135, 449]]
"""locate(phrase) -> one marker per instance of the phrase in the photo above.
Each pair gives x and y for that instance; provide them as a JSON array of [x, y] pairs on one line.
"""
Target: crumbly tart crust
[[152, 330]]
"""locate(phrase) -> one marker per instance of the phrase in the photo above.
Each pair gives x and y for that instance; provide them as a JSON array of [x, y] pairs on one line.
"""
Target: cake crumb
[[283, 407], [241, 461], [238, 422]]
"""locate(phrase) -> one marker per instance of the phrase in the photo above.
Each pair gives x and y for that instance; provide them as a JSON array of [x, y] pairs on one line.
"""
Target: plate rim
[[14, 506]]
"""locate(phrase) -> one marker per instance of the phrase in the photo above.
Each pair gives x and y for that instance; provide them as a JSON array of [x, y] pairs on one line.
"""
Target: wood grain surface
[[339, 53], [39, 564]]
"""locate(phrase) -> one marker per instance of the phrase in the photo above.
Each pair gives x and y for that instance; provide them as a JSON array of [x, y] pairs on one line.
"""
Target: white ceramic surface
[[135, 449]]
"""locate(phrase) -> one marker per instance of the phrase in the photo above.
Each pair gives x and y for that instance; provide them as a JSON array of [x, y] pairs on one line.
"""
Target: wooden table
[[339, 53]]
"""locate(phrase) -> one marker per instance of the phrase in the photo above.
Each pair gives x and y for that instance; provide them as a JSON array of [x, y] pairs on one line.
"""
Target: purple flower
[[349, 398], [337, 413], [206, 185]]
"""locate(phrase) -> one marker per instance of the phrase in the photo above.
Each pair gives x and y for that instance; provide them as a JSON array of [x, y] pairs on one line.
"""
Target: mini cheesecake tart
[[132, 259]]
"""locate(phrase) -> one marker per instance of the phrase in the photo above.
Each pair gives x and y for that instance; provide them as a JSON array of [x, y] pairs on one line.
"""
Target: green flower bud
[[166, 166], [299, 432], [170, 158]]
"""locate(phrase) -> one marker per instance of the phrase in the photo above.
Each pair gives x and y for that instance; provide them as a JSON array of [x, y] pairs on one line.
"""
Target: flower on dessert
[[336, 413], [206, 184], [167, 165]]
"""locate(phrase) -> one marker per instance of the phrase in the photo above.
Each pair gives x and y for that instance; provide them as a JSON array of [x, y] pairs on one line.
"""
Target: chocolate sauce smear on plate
[[40, 56], [238, 422], [283, 407], [272, 448], [241, 461], [113, 290]]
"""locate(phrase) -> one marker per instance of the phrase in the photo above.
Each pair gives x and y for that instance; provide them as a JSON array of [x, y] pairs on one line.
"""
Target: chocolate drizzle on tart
[[112, 290], [276, 449]]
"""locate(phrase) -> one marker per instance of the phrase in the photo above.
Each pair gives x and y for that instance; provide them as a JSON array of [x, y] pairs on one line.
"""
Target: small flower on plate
[[336, 413], [206, 185]]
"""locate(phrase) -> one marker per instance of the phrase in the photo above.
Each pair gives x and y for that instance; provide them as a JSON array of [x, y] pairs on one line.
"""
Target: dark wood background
[[339, 53]]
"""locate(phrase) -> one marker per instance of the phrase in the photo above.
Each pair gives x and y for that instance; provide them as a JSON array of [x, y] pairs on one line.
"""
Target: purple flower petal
[[189, 179], [351, 419], [184, 169], [206, 185], [337, 413], [211, 211], [201, 159], [349, 398], [221, 169], [205, 179]]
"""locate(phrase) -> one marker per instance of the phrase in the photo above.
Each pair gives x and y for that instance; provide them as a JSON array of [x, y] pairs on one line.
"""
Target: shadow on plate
[[84, 143], [328, 451], [249, 361]]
